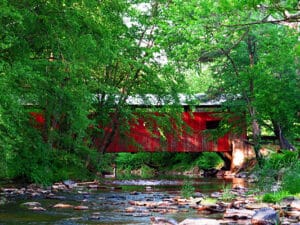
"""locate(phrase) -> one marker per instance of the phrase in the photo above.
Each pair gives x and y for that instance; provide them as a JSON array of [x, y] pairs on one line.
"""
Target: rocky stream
[[157, 202]]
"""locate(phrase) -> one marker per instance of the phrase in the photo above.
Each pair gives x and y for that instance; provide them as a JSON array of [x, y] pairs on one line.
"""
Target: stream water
[[106, 205]]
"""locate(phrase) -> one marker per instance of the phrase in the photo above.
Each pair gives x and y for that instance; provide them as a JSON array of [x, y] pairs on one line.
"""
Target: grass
[[275, 197]]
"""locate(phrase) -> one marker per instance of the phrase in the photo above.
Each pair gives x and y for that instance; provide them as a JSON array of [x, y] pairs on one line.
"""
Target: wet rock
[[293, 213], [295, 204], [81, 207], [242, 175], [195, 201], [238, 204], [63, 206], [37, 208], [162, 221], [93, 186], [252, 178], [148, 188], [238, 213], [253, 206], [95, 216], [210, 172], [53, 196], [3, 200], [143, 214], [31, 204], [212, 208], [58, 187], [70, 184], [216, 195], [265, 216], [287, 201], [198, 221], [130, 209]]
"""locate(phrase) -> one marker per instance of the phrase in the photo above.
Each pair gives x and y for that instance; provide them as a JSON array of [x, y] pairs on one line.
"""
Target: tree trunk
[[283, 141], [109, 136], [256, 131]]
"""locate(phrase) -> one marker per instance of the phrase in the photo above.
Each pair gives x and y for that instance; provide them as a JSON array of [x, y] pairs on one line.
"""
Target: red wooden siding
[[193, 138]]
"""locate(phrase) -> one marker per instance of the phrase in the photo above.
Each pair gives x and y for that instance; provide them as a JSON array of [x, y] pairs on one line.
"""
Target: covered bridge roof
[[148, 100]]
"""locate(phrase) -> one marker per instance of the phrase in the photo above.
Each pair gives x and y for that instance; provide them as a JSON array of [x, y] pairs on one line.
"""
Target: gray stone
[[265, 216], [162, 221], [238, 213], [200, 221], [295, 204], [31, 204]]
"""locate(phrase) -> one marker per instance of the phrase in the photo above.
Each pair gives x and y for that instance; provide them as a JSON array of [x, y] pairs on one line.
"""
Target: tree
[[67, 61], [226, 36]]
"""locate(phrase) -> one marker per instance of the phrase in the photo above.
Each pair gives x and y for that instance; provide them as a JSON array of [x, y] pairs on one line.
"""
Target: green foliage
[[291, 179], [187, 189], [147, 172], [280, 167], [275, 197], [55, 57], [227, 195], [209, 160]]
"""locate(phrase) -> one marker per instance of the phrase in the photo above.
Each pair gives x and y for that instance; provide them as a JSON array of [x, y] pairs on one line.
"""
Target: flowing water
[[107, 206]]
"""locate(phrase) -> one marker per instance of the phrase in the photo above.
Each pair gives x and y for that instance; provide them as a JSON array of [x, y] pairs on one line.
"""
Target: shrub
[[280, 167], [275, 197], [187, 189], [291, 179], [209, 160]]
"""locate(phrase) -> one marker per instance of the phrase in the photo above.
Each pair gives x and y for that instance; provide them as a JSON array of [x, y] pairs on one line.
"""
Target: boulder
[[162, 221], [253, 206], [238, 213], [265, 216], [295, 204], [198, 221]]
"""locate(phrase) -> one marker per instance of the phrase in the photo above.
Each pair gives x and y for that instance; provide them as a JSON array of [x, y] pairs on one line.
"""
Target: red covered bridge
[[193, 135]]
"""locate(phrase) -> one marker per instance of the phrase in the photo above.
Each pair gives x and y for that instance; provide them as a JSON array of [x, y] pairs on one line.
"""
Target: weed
[[187, 189]]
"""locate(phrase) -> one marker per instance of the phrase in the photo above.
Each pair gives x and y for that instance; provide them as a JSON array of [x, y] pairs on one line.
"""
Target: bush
[[187, 189], [280, 167], [291, 179], [209, 160], [147, 172], [275, 197]]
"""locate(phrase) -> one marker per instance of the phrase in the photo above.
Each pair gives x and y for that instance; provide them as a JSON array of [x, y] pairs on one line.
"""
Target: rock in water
[[63, 206], [70, 184], [265, 216], [32, 204], [162, 221], [81, 207], [238, 213], [198, 221], [295, 204]]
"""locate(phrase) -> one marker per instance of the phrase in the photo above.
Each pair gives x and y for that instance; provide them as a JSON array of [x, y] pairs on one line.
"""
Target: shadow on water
[[107, 206]]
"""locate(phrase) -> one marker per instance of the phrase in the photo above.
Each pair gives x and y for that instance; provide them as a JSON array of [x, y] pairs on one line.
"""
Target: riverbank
[[94, 202]]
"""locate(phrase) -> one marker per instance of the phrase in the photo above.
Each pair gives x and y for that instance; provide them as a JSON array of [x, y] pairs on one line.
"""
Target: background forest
[[67, 59]]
